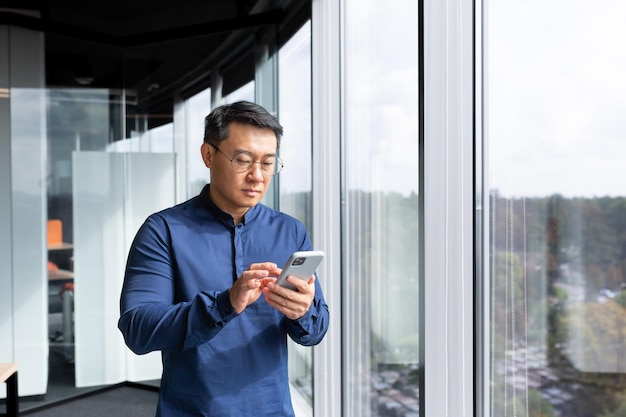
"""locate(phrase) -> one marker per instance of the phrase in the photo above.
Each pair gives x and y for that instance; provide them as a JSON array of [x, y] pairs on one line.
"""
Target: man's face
[[235, 192]]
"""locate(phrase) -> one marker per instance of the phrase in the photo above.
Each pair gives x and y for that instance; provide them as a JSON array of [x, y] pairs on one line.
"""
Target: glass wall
[[381, 209], [245, 92], [99, 193], [555, 99], [196, 109], [294, 111], [294, 91], [77, 120], [23, 252]]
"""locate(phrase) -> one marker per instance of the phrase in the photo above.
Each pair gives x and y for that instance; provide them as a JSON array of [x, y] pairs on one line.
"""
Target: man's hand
[[293, 304], [247, 289]]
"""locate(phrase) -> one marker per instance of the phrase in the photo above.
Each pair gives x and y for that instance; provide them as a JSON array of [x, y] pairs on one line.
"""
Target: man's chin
[[251, 201]]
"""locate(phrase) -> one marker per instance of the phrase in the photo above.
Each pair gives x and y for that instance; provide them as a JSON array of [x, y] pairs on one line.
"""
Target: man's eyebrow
[[247, 152]]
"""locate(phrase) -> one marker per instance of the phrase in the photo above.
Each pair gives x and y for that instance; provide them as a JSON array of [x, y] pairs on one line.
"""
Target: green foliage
[[560, 294], [383, 236], [620, 298], [549, 258], [596, 332], [587, 234], [508, 287], [620, 411]]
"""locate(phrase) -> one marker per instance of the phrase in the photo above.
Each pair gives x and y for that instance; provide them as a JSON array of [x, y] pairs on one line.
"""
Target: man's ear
[[207, 154]]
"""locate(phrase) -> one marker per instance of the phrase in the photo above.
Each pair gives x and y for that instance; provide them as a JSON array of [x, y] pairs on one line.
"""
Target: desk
[[59, 275], [60, 246], [8, 374]]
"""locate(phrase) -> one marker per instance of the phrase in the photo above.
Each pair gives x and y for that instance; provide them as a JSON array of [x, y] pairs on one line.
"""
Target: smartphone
[[301, 264]]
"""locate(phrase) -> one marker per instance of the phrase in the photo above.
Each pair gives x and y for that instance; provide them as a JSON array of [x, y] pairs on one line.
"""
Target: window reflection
[[557, 208]]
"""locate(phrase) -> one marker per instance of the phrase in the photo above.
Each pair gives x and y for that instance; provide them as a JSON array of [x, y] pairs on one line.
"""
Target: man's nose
[[256, 171]]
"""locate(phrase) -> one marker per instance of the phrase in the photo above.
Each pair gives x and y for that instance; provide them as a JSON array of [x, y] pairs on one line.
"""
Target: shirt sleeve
[[150, 319]]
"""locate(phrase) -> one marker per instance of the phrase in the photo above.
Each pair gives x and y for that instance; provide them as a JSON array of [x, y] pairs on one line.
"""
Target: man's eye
[[242, 160]]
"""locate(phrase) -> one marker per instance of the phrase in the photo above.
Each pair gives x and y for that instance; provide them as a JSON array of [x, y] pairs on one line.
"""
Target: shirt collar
[[224, 217]]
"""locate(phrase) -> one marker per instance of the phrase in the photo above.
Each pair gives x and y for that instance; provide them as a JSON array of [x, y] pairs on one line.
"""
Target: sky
[[556, 97]]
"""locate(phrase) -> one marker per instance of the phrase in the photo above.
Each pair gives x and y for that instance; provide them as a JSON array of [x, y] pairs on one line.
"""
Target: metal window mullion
[[326, 128], [448, 208]]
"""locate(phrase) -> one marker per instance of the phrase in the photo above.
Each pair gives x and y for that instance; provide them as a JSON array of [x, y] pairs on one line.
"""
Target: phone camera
[[298, 261]]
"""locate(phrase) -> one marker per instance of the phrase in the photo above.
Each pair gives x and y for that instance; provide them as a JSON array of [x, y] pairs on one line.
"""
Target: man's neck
[[237, 218]]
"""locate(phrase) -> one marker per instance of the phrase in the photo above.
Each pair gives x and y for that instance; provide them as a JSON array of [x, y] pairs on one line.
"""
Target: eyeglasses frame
[[278, 163]]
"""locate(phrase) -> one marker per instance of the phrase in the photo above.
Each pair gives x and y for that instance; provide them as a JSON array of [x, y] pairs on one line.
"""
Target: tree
[[595, 334], [620, 411], [620, 298]]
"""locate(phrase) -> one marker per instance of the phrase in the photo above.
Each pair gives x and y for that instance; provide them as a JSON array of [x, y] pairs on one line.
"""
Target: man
[[200, 281]]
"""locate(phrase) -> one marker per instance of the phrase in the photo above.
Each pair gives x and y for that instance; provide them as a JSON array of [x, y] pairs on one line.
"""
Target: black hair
[[217, 122]]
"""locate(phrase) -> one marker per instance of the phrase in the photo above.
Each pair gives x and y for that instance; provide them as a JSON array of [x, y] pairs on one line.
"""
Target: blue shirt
[[175, 299]]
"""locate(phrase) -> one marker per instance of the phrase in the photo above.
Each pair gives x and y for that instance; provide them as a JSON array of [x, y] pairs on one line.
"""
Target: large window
[[381, 209], [555, 96], [196, 108], [294, 111], [294, 91]]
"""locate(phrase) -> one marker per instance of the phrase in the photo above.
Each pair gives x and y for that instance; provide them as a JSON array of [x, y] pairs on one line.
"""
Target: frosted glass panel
[[113, 193], [151, 187], [23, 279], [6, 280], [28, 234]]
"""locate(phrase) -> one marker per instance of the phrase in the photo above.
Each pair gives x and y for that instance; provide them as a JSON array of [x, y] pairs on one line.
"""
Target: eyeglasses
[[242, 162]]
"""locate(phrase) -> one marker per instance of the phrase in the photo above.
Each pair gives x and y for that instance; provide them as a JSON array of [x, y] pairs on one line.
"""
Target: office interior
[[459, 162]]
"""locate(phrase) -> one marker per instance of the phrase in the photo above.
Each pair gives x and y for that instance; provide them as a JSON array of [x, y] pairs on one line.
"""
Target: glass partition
[[23, 286], [23, 335], [78, 119], [100, 189], [555, 96], [113, 194]]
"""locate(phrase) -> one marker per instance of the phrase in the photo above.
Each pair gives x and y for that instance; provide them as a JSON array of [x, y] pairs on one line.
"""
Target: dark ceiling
[[150, 49]]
